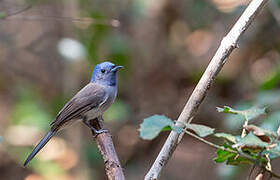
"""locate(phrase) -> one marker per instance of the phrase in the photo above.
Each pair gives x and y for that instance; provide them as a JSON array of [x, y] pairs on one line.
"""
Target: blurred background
[[48, 49]]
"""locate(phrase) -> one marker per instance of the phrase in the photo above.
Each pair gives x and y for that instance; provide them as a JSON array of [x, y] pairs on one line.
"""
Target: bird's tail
[[39, 146]]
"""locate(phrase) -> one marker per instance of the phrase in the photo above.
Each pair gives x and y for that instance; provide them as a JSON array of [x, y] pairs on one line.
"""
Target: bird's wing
[[91, 96]]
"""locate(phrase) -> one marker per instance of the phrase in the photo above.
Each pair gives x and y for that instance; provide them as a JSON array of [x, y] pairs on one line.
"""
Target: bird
[[89, 103]]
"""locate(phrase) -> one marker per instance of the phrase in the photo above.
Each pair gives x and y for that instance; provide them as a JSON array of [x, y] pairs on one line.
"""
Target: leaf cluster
[[254, 145]]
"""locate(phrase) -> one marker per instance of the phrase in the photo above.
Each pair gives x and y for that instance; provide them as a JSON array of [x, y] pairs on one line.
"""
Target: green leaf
[[167, 128], [3, 15], [226, 136], [272, 80], [227, 109], [249, 114], [229, 157], [223, 156], [200, 130], [251, 141], [1, 138], [238, 160], [153, 125]]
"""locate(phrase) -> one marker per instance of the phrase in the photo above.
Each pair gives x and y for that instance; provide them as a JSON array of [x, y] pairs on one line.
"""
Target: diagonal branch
[[228, 44], [106, 148]]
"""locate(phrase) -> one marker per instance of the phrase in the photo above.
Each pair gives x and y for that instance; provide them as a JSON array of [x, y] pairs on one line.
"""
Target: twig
[[239, 152], [210, 143], [243, 134], [106, 148], [228, 44]]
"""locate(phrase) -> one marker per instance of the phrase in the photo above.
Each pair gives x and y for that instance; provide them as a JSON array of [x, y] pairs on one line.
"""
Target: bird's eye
[[103, 70]]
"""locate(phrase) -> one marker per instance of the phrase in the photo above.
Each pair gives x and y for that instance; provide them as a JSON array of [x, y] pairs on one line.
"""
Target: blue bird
[[89, 103]]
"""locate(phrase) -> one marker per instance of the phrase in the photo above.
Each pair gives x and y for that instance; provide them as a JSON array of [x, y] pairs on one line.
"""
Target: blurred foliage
[[119, 111], [29, 111], [47, 169], [91, 154], [272, 80], [3, 15], [99, 38]]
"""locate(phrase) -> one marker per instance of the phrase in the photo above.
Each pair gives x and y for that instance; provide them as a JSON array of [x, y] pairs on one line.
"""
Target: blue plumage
[[89, 103], [105, 73]]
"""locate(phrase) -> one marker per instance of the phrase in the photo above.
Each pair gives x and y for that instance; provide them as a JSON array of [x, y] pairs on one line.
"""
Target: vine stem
[[228, 44]]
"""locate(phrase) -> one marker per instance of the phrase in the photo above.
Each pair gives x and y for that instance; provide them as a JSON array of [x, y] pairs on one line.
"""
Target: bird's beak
[[116, 68]]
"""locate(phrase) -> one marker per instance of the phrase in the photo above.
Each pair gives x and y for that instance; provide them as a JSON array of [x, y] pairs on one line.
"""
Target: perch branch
[[228, 44], [106, 148]]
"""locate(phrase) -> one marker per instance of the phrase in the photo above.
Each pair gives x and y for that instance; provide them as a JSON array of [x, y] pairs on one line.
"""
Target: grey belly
[[98, 111], [94, 113]]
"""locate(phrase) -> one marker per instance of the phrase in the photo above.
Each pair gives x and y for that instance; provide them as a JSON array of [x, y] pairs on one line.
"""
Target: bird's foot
[[94, 130], [97, 132]]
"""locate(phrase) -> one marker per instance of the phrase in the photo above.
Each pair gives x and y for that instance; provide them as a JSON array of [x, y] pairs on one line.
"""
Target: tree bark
[[106, 148]]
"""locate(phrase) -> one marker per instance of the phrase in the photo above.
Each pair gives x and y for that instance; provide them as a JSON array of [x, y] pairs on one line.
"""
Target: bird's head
[[105, 73]]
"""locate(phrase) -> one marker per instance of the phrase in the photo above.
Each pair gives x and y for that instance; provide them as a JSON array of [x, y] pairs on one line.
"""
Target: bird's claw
[[94, 130], [97, 132]]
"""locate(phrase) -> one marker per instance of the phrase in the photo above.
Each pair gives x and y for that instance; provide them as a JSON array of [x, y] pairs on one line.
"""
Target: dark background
[[47, 55]]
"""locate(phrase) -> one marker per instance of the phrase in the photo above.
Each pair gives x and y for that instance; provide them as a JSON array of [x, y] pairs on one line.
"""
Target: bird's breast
[[111, 95], [99, 110]]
